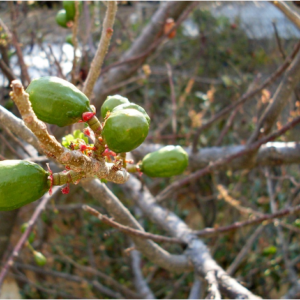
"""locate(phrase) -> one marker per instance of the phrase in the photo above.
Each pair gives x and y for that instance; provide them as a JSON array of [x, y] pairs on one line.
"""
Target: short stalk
[[62, 178]]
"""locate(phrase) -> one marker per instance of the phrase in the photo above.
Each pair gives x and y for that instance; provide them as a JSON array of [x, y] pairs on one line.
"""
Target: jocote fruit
[[61, 18], [111, 102], [69, 6], [124, 130], [166, 162], [21, 182], [57, 101], [132, 106]]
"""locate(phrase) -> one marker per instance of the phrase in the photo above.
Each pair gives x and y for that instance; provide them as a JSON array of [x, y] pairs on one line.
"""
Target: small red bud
[[87, 132], [87, 116], [109, 30], [66, 189]]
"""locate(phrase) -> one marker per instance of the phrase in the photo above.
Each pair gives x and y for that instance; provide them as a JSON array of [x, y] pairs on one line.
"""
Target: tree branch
[[25, 235], [280, 98], [106, 35], [246, 96], [217, 164], [197, 251], [171, 262], [149, 36], [288, 12], [131, 231], [77, 161], [238, 225]]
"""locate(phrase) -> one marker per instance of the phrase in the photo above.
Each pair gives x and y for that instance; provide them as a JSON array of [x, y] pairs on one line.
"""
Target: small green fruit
[[69, 39], [111, 102], [69, 6], [39, 258], [61, 18], [31, 235], [124, 130], [132, 106], [166, 162], [57, 101], [21, 182]]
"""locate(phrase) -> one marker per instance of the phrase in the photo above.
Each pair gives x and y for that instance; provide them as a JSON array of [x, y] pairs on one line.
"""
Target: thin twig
[[117, 286], [17, 141], [59, 69], [131, 231], [292, 275], [246, 96], [75, 41], [155, 44], [212, 166], [173, 100], [245, 250], [7, 71], [15, 253], [97, 62], [238, 225], [24, 70], [102, 289], [10, 147]]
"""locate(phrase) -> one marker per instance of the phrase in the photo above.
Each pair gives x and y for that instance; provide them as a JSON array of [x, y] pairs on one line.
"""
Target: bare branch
[[17, 126], [25, 235], [245, 250], [248, 150], [292, 275], [288, 12], [95, 284], [237, 225], [7, 71], [175, 263], [246, 96], [195, 292], [140, 50], [280, 98], [106, 35], [75, 41], [139, 281], [131, 231], [197, 251]]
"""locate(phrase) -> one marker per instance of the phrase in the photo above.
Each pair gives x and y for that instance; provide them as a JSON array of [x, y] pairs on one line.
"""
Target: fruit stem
[[123, 157], [132, 168], [64, 177]]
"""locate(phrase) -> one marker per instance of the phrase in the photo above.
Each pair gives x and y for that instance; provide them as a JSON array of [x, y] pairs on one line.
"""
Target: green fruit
[[21, 182], [133, 106], [69, 6], [61, 18], [69, 39], [166, 162], [39, 258], [124, 130], [31, 236], [57, 101], [111, 102]]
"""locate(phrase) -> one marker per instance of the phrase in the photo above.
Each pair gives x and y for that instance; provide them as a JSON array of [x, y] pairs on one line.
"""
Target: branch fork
[[90, 166]]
